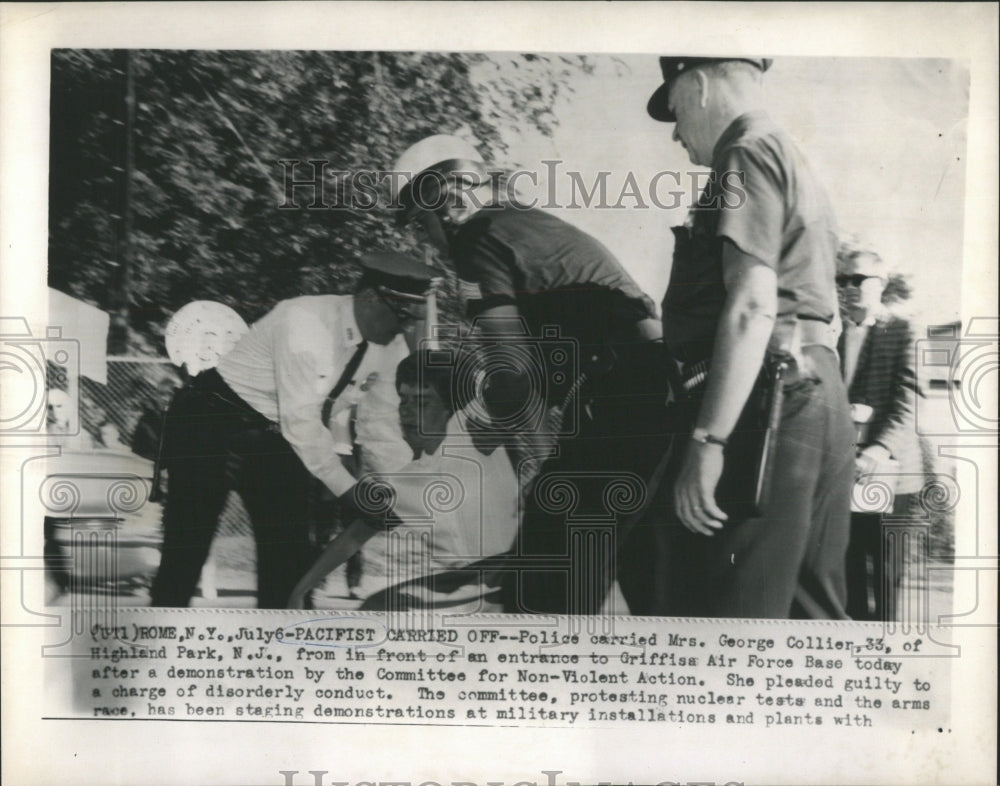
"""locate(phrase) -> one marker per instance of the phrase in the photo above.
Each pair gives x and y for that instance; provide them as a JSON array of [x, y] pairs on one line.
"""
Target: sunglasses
[[855, 280]]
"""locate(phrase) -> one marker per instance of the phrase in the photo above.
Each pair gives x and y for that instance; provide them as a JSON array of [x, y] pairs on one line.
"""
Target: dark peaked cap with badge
[[398, 272], [672, 67]]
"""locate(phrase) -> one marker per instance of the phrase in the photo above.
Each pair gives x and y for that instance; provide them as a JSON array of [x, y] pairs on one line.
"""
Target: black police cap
[[672, 67], [397, 271]]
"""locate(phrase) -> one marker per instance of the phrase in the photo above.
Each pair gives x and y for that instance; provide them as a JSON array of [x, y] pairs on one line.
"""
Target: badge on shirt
[[469, 290]]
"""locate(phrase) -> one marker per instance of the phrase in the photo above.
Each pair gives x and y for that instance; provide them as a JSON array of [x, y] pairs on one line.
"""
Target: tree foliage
[[211, 129]]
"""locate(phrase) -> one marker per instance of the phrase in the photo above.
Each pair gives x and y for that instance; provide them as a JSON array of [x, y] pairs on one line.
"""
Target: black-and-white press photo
[[416, 331], [585, 391]]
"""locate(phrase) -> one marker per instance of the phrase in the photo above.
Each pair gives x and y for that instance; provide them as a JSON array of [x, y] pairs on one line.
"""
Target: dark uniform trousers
[[788, 562], [571, 533], [214, 441]]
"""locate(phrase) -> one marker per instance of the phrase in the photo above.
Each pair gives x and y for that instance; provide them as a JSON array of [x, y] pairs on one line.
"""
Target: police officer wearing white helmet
[[518, 263]]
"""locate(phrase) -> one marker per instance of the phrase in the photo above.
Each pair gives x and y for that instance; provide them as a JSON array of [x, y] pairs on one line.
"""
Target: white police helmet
[[424, 169]]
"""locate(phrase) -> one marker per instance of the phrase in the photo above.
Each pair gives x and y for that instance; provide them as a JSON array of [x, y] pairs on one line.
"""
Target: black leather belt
[[212, 383], [788, 336]]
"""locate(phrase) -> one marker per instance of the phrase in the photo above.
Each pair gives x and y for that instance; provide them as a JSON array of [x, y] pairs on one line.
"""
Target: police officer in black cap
[[763, 482], [518, 264], [261, 419]]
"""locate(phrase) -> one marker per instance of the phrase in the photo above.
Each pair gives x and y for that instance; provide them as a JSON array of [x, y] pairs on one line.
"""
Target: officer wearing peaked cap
[[266, 410], [673, 67], [397, 271], [516, 264], [747, 322]]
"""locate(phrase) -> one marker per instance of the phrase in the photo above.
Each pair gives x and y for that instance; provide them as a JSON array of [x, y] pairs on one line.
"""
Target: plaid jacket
[[885, 381]]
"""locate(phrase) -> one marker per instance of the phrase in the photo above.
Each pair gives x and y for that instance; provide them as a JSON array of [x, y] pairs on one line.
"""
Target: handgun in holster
[[785, 362], [747, 475], [775, 371]]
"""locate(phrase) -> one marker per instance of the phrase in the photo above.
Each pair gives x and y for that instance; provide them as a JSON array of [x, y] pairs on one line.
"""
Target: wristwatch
[[701, 435]]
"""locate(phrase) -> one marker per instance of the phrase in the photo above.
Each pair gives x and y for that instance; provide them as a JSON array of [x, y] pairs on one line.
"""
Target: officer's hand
[[371, 499], [694, 493], [871, 459], [297, 600]]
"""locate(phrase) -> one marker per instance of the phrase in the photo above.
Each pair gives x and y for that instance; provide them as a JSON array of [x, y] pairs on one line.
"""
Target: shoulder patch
[[469, 290]]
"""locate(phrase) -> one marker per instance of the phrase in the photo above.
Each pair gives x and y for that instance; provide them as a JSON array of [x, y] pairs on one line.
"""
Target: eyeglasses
[[406, 307], [855, 280]]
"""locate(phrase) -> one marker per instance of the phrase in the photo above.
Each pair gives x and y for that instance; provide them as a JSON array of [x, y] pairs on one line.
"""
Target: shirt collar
[[736, 129], [873, 316]]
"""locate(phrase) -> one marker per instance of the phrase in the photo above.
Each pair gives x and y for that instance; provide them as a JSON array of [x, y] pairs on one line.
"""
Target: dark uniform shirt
[[553, 272], [765, 199], [612, 420]]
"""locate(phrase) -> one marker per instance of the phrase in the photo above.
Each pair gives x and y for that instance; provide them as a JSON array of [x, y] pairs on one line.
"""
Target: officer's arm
[[487, 273], [751, 249], [301, 347], [372, 506], [498, 320], [337, 552], [507, 390], [740, 340]]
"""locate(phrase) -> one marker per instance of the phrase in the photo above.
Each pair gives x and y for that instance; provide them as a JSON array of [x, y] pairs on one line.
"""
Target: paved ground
[[234, 582], [233, 558]]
